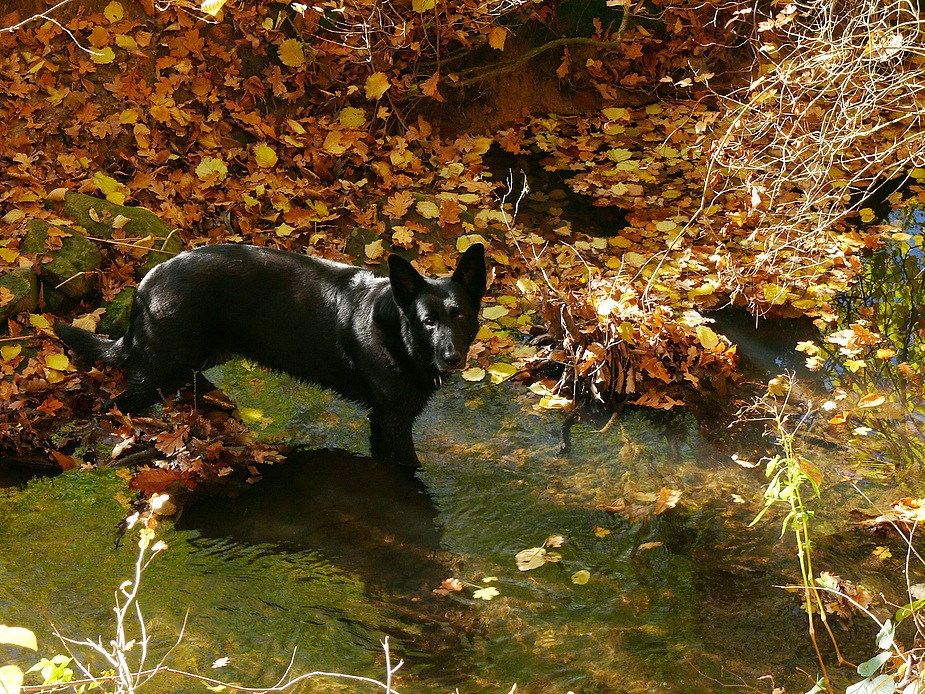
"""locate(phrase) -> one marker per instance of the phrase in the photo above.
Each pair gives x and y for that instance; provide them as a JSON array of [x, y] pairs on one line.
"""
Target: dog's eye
[[429, 321], [460, 316]]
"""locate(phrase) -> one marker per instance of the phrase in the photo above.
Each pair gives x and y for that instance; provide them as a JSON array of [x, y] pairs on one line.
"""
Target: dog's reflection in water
[[370, 518]]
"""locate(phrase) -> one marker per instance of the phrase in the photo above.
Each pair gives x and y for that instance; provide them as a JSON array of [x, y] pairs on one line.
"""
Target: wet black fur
[[382, 342]]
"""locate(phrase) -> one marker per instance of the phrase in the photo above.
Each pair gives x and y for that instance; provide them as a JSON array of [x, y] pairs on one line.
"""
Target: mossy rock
[[115, 320], [97, 216], [23, 284], [69, 269], [357, 241]]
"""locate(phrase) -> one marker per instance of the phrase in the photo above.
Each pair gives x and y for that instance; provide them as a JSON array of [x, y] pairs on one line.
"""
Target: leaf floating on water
[[529, 559], [649, 545], [580, 578], [489, 593]]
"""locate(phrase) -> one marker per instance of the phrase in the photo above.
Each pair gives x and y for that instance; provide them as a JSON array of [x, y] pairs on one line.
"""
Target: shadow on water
[[367, 518]]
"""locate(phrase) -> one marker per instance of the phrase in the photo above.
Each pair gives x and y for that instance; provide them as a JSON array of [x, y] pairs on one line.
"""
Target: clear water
[[331, 552]]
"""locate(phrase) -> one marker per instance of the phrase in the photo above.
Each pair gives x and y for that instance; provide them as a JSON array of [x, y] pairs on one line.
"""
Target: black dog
[[382, 342]]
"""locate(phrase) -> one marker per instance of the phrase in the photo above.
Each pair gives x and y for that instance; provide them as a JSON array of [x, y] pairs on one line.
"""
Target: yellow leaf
[[580, 578], [428, 209], [332, 143], [872, 400], [615, 113], [8, 255], [10, 679], [36, 320], [291, 53], [402, 236], [212, 165], [486, 593], [708, 339], [474, 374], [555, 402], [501, 372], [103, 56], [666, 225], [212, 7], [265, 156], [634, 259], [374, 250], [18, 636], [868, 215], [496, 37], [59, 362], [113, 12], [775, 294], [423, 5], [494, 312], [129, 115], [8, 352], [463, 242], [377, 84], [351, 117]]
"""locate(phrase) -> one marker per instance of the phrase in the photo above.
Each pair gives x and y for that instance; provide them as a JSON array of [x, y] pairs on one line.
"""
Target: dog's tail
[[91, 346]]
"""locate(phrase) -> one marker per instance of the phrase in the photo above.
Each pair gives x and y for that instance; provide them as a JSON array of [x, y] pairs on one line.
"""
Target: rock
[[23, 284], [68, 268], [115, 320], [99, 217]]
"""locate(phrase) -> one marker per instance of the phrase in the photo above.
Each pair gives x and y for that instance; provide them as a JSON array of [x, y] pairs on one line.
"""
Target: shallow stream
[[331, 552]]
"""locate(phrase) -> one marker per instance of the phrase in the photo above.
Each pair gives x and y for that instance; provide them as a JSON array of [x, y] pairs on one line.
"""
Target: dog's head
[[442, 316]]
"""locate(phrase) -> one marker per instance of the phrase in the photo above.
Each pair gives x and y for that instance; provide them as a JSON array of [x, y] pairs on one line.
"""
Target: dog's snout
[[452, 358]]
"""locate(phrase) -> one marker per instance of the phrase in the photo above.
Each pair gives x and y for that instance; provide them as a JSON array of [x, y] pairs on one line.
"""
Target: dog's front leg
[[390, 438]]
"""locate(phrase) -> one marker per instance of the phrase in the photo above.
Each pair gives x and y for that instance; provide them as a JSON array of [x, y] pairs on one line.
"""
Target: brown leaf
[[170, 442]]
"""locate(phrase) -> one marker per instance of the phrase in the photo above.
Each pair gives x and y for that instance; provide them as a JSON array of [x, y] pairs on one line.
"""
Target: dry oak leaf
[[398, 204], [170, 442]]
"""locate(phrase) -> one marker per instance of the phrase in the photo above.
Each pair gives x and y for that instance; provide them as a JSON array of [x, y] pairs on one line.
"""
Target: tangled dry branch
[[834, 110]]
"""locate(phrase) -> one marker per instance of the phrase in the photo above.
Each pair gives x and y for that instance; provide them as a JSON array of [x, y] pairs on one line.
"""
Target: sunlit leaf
[[291, 53], [476, 373], [580, 578], [265, 156], [103, 56], [529, 559], [427, 209], [374, 250], [37, 320], [871, 400], [8, 352], [494, 312], [376, 85], [212, 7], [18, 636], [423, 5], [707, 338], [11, 678], [113, 12], [501, 371], [59, 362], [351, 117], [210, 166], [488, 593], [496, 37]]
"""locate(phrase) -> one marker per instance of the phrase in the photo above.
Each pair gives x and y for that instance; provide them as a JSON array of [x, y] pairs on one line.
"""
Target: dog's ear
[[406, 282], [471, 272]]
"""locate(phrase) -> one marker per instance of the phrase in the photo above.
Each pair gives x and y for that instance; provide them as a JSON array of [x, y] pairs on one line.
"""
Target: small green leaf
[[868, 668], [885, 637]]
